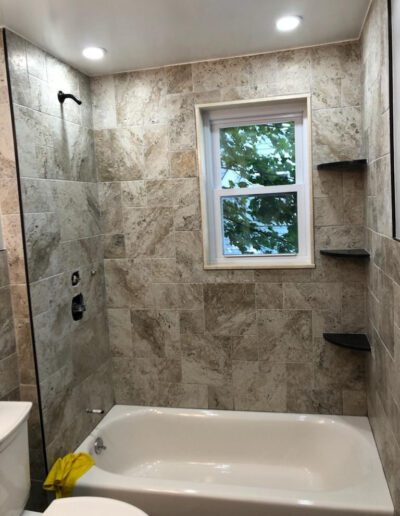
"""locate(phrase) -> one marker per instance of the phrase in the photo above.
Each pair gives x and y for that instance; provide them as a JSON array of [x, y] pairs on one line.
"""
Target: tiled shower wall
[[62, 224], [384, 270], [246, 340], [17, 370], [9, 377]]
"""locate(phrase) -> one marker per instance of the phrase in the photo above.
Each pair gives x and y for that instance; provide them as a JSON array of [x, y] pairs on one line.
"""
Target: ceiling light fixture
[[94, 53], [287, 23]]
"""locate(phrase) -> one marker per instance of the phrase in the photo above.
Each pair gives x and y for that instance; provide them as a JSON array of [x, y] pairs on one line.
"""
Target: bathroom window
[[256, 184]]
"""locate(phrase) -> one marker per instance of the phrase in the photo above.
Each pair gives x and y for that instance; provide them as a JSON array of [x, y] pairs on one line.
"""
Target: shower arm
[[62, 96]]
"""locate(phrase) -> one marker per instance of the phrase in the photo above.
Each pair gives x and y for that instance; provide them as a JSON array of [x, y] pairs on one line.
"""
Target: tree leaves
[[259, 155]]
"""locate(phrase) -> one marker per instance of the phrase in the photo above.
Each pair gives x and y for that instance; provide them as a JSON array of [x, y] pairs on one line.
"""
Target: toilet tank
[[14, 457]]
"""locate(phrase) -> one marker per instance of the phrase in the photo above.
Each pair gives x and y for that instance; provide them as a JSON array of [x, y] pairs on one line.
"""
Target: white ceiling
[[149, 33]]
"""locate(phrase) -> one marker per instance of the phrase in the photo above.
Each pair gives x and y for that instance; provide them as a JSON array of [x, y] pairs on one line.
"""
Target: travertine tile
[[312, 296], [245, 347], [269, 295], [336, 134], [43, 245], [155, 333], [210, 75], [139, 97], [353, 308], [327, 183], [181, 122], [336, 61], [175, 277], [179, 79], [384, 207], [120, 330], [192, 321], [285, 335], [7, 158], [127, 144], [18, 68], [183, 164], [9, 199], [354, 403], [114, 246], [338, 368], [220, 397], [163, 270], [155, 140], [26, 365], [103, 95], [180, 296], [126, 284], [133, 193], [259, 386], [339, 237], [326, 92], [3, 77], [38, 195], [183, 395], [62, 226], [7, 337], [328, 211], [230, 309], [264, 70], [110, 207], [206, 359], [9, 375], [149, 232]]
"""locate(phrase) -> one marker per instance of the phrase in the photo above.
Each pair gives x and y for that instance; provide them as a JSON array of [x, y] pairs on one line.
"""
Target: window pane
[[260, 224], [261, 154]]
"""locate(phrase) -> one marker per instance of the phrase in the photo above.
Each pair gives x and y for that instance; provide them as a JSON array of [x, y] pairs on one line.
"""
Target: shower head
[[62, 96]]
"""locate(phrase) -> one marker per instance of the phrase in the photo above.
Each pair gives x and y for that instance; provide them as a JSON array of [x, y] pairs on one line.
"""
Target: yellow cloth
[[66, 471]]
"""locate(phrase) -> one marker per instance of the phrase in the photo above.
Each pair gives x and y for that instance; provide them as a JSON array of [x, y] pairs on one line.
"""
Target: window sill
[[257, 266]]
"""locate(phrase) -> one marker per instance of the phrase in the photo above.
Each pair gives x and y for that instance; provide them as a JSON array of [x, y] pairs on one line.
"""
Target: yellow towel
[[66, 471]]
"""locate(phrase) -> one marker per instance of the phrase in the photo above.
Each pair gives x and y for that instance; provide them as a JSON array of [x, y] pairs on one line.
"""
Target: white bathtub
[[180, 462]]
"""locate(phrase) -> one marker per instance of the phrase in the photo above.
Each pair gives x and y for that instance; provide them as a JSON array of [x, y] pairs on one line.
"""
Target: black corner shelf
[[355, 164], [355, 341], [346, 253]]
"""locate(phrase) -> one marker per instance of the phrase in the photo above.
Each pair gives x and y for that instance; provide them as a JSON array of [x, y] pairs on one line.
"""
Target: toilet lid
[[87, 505]]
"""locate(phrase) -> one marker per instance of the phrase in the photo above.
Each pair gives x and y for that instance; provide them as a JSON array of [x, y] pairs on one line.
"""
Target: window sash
[[238, 192], [259, 120]]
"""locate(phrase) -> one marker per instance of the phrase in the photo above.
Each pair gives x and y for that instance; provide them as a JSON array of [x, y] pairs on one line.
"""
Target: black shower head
[[62, 96]]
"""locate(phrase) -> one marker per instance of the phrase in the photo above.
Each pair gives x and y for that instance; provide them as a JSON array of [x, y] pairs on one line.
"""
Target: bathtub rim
[[378, 500]]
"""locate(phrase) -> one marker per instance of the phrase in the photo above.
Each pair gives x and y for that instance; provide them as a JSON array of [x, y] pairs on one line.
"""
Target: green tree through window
[[259, 155]]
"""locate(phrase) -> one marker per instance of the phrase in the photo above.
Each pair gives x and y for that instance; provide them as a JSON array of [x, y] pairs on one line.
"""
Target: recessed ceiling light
[[94, 53], [287, 23]]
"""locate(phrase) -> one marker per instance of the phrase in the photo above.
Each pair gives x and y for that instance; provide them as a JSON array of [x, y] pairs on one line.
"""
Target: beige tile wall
[[61, 216], [383, 279], [17, 376], [9, 377], [252, 340]]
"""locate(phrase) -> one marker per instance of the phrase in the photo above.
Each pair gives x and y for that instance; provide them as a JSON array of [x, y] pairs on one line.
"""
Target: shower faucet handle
[[94, 411]]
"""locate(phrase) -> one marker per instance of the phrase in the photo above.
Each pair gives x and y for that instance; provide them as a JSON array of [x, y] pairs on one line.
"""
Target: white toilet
[[14, 473]]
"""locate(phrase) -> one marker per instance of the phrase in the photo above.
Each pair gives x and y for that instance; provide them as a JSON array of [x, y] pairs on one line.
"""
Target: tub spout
[[99, 446]]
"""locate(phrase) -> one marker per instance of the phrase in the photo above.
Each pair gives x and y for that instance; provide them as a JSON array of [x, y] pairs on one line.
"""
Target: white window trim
[[228, 113]]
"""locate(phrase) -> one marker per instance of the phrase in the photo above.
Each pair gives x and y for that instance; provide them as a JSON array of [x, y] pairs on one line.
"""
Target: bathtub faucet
[[99, 446]]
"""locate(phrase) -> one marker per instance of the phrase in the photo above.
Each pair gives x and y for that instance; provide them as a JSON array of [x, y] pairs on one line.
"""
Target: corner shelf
[[355, 341], [346, 253], [355, 164]]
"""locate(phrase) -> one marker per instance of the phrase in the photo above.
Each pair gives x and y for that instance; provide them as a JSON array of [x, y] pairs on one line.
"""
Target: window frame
[[210, 118]]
